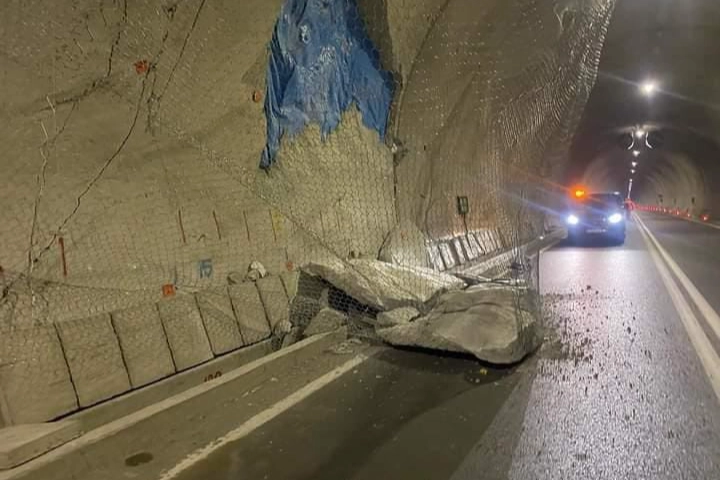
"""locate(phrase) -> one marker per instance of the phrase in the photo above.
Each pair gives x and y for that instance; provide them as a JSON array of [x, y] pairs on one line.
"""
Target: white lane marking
[[704, 349], [711, 316], [262, 418]]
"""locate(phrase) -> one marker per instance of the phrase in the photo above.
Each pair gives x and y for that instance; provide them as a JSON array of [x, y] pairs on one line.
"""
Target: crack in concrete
[[47, 144], [155, 99], [95, 179], [116, 42]]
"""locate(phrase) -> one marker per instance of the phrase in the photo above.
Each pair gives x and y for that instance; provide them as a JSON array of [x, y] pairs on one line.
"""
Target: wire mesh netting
[[140, 237]]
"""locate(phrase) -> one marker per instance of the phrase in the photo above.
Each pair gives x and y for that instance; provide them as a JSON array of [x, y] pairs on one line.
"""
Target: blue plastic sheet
[[321, 62]]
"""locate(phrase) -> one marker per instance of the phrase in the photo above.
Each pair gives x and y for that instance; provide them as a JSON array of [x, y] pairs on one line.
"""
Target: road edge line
[[262, 418], [709, 358], [711, 316]]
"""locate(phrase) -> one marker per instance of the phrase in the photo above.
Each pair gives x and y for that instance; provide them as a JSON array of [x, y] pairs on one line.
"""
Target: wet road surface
[[617, 391]]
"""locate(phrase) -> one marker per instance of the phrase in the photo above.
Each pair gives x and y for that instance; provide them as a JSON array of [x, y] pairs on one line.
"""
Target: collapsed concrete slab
[[382, 285], [399, 316], [495, 324]]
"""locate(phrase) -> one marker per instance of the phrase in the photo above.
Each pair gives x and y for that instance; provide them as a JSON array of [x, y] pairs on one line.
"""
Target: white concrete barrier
[[35, 381], [143, 344], [274, 300], [249, 312], [185, 331], [217, 313], [93, 355]]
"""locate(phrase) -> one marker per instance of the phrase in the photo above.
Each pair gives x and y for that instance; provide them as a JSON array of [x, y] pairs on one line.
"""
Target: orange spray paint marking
[[168, 290], [141, 67]]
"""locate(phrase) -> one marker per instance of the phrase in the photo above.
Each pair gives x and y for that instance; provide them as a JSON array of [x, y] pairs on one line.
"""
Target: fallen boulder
[[382, 285], [399, 316], [493, 323], [327, 320]]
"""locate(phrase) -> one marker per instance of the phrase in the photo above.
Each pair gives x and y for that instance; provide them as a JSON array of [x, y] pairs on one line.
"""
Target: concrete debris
[[292, 337], [494, 323], [382, 285], [256, 271], [399, 316], [327, 320], [342, 349], [472, 279], [282, 328], [405, 246]]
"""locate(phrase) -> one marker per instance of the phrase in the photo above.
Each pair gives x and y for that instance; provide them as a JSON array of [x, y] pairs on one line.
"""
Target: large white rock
[[383, 285], [399, 316], [494, 324], [405, 246]]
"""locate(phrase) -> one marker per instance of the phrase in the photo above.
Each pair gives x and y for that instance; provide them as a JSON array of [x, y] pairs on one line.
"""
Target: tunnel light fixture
[[632, 171], [639, 133], [636, 153], [648, 88], [634, 164]]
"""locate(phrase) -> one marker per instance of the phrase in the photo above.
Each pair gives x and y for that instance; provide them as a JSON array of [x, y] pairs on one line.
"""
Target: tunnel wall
[[132, 134], [489, 115]]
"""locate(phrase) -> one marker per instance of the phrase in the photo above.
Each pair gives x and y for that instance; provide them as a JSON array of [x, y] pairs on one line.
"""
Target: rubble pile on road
[[417, 307]]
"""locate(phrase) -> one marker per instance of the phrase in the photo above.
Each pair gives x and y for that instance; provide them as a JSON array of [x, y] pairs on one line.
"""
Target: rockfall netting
[[140, 237]]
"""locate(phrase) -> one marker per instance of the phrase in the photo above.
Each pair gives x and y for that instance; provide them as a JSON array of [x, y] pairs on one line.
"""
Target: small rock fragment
[[327, 320], [256, 271]]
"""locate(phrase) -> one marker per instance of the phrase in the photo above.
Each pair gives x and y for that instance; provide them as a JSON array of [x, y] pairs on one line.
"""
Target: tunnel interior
[[134, 182], [669, 46]]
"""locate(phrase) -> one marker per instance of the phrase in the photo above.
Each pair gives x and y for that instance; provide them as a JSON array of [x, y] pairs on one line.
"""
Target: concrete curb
[[21, 443], [239, 379], [128, 403]]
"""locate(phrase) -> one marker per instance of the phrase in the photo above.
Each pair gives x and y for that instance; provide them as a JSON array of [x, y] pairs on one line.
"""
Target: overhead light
[[640, 133], [632, 171], [636, 153], [634, 164], [648, 88]]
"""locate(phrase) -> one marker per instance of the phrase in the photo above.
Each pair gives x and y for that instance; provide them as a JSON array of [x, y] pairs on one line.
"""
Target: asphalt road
[[617, 392]]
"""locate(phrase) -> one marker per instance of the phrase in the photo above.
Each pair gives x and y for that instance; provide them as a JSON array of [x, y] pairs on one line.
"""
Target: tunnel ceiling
[[674, 44]]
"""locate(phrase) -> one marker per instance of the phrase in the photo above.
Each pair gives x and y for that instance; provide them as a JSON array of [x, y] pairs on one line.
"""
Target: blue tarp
[[321, 62]]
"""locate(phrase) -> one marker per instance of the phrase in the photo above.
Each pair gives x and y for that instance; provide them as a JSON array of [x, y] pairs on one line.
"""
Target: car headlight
[[572, 220], [615, 218]]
